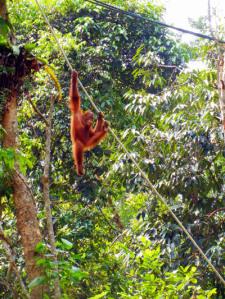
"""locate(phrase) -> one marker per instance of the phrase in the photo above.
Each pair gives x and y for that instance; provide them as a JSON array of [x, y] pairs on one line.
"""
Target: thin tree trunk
[[220, 71], [210, 19], [221, 87], [3, 10], [26, 214], [45, 181]]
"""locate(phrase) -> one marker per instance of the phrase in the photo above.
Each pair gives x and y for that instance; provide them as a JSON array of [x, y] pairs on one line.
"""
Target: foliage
[[114, 238], [150, 281], [69, 273], [5, 29]]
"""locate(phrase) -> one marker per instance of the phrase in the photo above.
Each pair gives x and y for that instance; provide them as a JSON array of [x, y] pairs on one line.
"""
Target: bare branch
[[211, 214], [221, 88], [37, 111]]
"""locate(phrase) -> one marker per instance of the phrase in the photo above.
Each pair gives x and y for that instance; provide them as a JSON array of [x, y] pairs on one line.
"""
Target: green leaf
[[99, 296], [211, 293], [77, 274], [16, 50], [40, 247], [66, 244], [4, 27], [36, 282], [30, 46], [3, 41]]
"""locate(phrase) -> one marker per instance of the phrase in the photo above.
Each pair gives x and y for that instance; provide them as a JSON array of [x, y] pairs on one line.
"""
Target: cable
[[137, 16], [144, 175]]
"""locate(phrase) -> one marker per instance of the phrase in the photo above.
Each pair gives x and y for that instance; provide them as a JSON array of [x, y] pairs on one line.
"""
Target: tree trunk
[[47, 201], [220, 71], [221, 86], [3, 10], [26, 214]]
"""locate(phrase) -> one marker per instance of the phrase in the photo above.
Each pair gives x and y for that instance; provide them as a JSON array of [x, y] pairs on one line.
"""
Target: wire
[[137, 16], [144, 175]]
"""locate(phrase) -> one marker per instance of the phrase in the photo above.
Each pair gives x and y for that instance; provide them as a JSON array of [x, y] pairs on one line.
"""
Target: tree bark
[[46, 195], [221, 86], [3, 10], [26, 213], [220, 71]]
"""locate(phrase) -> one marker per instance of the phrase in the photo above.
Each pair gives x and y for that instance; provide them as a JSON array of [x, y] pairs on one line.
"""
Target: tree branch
[[211, 214], [37, 111]]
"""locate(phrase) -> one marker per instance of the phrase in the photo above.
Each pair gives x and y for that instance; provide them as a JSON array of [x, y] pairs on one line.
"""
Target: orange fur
[[83, 136]]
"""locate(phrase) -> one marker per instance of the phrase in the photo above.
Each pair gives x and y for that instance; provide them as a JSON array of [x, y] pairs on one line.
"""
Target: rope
[[144, 175], [137, 16]]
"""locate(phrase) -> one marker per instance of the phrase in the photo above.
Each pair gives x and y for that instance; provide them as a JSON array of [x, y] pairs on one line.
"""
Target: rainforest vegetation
[[107, 234]]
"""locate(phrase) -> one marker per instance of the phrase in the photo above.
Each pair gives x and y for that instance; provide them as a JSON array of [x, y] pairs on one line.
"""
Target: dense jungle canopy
[[106, 234]]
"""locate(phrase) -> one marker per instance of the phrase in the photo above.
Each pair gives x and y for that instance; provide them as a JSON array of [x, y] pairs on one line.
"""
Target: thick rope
[[144, 175]]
